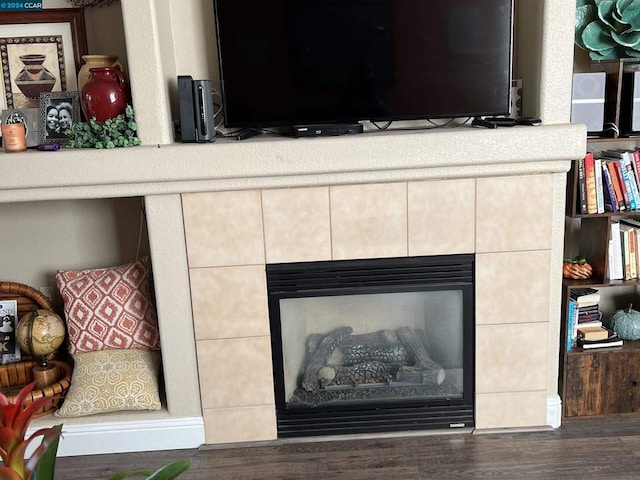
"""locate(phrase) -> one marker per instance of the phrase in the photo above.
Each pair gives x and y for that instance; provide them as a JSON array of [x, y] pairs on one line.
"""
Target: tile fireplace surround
[[218, 212]]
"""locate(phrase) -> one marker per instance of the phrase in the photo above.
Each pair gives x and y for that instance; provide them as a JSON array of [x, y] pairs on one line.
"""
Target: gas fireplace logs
[[382, 357]]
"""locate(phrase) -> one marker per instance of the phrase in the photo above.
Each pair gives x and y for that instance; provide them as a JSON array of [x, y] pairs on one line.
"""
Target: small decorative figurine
[[576, 268]]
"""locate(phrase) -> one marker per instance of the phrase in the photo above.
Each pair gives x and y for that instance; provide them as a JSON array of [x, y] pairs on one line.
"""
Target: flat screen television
[[303, 62]]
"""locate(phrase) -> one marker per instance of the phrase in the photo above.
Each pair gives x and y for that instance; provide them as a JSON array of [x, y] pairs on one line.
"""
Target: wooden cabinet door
[[601, 383]]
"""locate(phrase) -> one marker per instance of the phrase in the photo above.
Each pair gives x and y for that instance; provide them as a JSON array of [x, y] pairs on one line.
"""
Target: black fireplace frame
[[365, 276]]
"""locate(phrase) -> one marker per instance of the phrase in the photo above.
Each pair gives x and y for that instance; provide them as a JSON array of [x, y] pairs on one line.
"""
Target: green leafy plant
[[168, 472], [120, 131], [608, 29], [15, 418]]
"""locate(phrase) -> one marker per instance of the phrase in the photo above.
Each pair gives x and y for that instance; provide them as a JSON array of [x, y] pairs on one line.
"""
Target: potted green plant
[[15, 418], [120, 131]]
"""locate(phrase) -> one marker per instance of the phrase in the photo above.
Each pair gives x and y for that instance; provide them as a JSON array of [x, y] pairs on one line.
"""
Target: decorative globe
[[40, 332]]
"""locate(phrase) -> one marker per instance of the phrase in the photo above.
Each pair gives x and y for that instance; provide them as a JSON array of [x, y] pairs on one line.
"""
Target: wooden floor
[[607, 448]]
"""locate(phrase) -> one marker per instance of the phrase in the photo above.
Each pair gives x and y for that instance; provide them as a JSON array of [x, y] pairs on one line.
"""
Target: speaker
[[195, 102], [630, 103], [203, 109], [587, 100], [186, 106]]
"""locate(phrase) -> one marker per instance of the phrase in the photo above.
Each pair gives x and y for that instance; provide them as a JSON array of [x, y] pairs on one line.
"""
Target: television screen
[[302, 62]]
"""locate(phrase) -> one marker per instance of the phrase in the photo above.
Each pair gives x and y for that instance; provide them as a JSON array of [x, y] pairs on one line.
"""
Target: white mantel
[[272, 161]]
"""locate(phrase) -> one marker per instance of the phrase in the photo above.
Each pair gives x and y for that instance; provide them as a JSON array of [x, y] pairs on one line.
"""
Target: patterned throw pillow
[[109, 308], [112, 381]]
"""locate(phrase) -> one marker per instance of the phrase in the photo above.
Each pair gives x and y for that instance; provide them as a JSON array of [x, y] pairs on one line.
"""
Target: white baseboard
[[554, 411], [136, 436]]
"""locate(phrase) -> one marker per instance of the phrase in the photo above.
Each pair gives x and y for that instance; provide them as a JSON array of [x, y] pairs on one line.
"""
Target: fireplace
[[375, 345]]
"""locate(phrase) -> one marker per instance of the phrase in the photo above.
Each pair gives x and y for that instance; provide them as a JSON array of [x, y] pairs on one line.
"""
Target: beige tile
[[229, 302], [246, 424], [223, 228], [513, 287], [514, 213], [441, 217], [296, 224], [369, 221], [512, 358], [235, 372], [511, 410]]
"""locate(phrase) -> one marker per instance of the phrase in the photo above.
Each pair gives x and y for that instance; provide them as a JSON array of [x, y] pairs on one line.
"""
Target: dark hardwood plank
[[585, 448]]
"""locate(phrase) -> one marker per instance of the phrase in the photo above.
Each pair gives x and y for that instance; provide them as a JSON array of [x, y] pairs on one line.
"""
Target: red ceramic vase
[[104, 96]]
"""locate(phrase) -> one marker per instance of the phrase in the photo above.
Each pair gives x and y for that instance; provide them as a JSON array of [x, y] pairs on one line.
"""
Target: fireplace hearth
[[372, 345]]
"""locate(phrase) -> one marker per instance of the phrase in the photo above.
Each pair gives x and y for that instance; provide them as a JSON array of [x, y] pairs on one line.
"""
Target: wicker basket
[[26, 296], [14, 376]]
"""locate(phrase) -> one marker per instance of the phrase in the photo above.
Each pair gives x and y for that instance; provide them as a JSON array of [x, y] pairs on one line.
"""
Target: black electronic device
[[195, 100], [630, 104], [187, 123], [327, 129], [296, 62]]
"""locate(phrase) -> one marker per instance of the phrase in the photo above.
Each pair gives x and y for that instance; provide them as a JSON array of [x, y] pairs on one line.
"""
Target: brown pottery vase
[[104, 96]]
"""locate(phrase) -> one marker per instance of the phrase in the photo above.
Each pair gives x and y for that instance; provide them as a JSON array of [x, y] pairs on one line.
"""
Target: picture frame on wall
[[58, 111], [40, 52], [30, 118]]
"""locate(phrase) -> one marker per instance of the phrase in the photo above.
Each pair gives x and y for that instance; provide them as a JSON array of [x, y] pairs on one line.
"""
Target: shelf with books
[[586, 372]]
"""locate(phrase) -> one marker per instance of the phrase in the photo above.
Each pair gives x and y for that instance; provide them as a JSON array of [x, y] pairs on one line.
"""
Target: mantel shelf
[[271, 161]]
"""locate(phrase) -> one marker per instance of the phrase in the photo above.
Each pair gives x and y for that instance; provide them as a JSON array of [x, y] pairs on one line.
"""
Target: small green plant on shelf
[[120, 131]]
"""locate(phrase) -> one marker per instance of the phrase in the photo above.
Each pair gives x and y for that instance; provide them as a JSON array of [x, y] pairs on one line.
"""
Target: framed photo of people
[[40, 52], [58, 112]]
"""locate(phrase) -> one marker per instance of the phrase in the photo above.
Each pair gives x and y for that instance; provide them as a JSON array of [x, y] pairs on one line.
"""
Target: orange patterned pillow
[[109, 308]]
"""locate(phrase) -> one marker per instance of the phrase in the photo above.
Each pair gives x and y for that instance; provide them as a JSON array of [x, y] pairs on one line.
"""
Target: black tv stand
[[329, 129], [481, 122]]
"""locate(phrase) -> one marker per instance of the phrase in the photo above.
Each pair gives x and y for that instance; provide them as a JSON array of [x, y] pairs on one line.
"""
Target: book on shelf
[[610, 199], [9, 349], [585, 296], [572, 320], [612, 340], [595, 323], [616, 271], [635, 224], [635, 162], [629, 182], [597, 168], [592, 333], [582, 188], [617, 167], [584, 318], [590, 182], [617, 186], [628, 251]]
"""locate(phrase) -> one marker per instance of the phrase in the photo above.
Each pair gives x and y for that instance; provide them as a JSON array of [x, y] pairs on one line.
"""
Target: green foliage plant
[[608, 29], [168, 472], [120, 131]]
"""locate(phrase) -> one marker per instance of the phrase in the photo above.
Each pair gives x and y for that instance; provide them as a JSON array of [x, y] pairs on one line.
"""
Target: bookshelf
[[603, 381]]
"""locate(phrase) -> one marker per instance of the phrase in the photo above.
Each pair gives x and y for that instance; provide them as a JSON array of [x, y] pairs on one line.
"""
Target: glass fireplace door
[[349, 346]]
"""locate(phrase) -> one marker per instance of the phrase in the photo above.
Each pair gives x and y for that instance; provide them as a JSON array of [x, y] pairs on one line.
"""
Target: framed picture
[[58, 111], [40, 52], [30, 117]]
